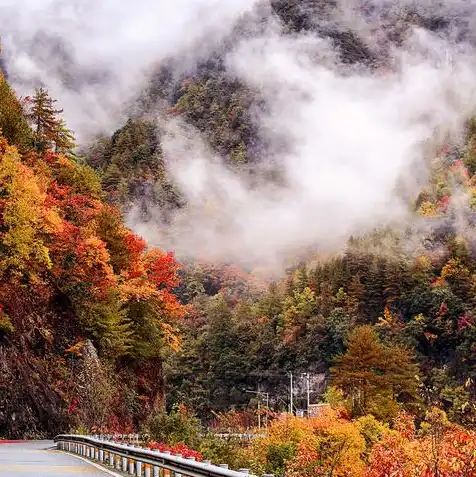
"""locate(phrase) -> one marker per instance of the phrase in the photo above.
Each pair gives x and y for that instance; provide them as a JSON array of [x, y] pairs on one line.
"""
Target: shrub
[[177, 427]]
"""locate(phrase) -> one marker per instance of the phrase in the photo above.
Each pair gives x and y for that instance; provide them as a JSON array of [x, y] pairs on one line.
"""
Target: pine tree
[[64, 138], [48, 128]]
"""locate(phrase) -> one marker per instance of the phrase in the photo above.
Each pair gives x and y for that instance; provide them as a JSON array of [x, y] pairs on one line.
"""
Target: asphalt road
[[41, 459]]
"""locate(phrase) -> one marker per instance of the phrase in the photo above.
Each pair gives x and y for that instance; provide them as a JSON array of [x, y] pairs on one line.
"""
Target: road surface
[[41, 459]]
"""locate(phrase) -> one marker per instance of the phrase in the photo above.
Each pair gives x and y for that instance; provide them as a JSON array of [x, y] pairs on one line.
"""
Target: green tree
[[48, 128]]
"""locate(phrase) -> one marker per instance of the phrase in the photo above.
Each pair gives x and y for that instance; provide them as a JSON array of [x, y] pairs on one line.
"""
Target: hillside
[[86, 308]]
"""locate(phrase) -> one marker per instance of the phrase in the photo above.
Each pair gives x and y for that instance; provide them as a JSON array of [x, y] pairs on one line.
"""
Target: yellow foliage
[[171, 336], [427, 209], [452, 268], [137, 289], [423, 262], [25, 219], [314, 446]]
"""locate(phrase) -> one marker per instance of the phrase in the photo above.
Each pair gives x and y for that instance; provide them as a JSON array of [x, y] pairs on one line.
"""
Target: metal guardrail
[[142, 462]]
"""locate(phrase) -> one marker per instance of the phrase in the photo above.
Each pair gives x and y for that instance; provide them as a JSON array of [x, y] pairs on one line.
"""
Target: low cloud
[[357, 143], [95, 56], [351, 140]]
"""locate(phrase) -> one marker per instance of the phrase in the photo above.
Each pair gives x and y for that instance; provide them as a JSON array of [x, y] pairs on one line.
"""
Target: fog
[[94, 56], [358, 138]]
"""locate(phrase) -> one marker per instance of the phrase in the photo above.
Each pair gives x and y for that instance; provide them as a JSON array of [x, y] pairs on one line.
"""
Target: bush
[[224, 451], [177, 427], [278, 455]]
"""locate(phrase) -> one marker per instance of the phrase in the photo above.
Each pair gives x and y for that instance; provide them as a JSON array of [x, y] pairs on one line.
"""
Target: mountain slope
[[86, 309]]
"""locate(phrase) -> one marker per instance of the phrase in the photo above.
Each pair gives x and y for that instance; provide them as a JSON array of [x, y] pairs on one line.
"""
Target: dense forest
[[102, 332]]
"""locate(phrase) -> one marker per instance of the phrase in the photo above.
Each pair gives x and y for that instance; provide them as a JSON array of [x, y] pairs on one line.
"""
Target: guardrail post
[[124, 464], [156, 468], [177, 474], [138, 468], [147, 468], [131, 466]]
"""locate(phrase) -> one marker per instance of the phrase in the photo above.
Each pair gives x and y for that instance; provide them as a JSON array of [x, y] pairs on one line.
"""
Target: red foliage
[[56, 194], [73, 406], [162, 269], [465, 321], [404, 423], [388, 459], [135, 246], [444, 202], [81, 209], [180, 448], [460, 168]]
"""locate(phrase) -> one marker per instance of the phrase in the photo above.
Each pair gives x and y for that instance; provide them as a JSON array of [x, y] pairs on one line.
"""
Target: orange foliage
[[82, 259], [445, 451], [332, 444]]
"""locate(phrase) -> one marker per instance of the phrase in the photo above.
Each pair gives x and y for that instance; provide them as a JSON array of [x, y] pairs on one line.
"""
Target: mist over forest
[[199, 198]]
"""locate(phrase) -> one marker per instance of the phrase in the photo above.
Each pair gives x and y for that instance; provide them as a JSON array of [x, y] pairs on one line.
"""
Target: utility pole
[[291, 405], [259, 393], [259, 412], [267, 411], [308, 393]]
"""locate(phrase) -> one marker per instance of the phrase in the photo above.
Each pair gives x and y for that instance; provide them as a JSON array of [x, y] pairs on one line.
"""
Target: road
[[41, 459]]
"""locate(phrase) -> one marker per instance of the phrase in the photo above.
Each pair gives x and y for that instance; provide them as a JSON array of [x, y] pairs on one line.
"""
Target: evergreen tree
[[48, 128]]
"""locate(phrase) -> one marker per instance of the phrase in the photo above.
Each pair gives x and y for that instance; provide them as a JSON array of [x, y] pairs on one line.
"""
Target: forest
[[101, 332]]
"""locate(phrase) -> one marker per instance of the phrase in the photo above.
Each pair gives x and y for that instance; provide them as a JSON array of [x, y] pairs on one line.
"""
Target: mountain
[[99, 330]]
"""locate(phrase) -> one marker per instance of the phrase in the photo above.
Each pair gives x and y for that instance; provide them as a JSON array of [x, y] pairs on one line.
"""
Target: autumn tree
[[374, 376], [13, 124], [25, 220], [327, 445]]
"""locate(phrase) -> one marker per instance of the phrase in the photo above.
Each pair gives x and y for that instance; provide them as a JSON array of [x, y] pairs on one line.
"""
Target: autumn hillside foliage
[[333, 445], [86, 309]]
